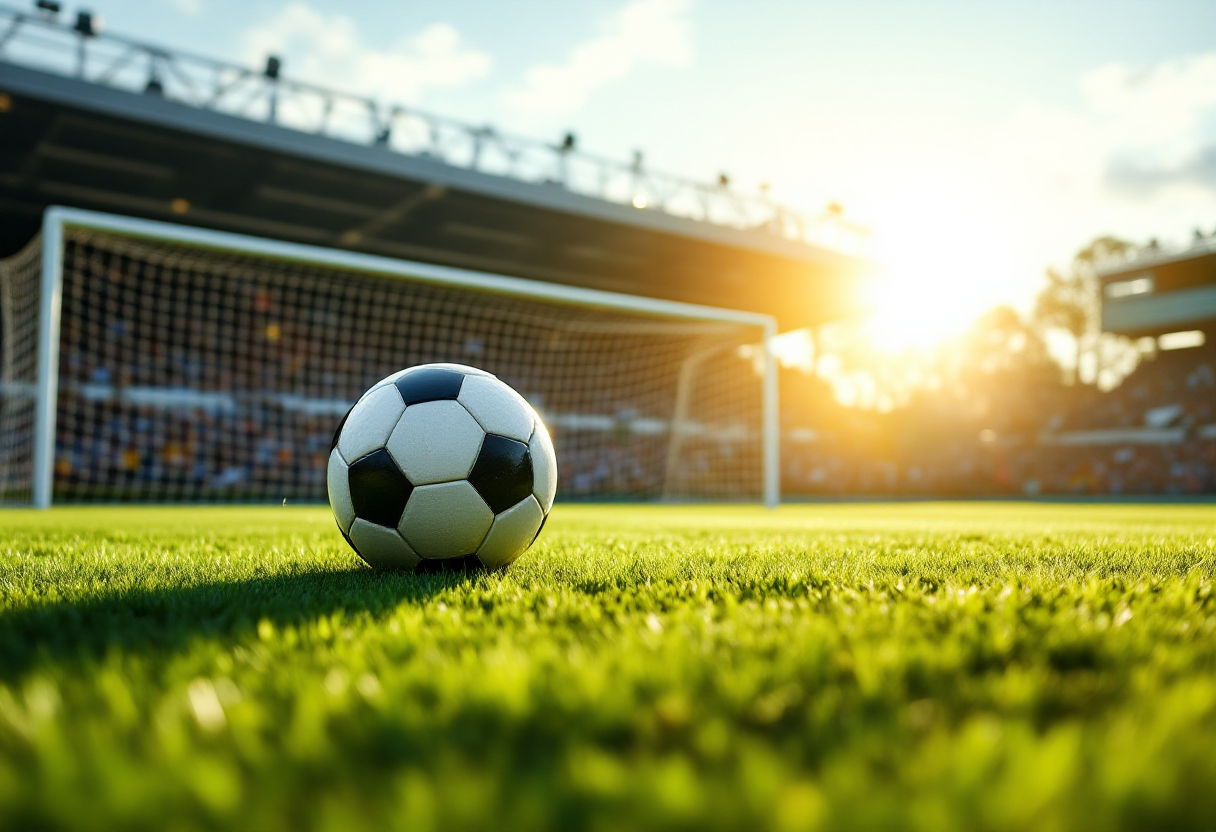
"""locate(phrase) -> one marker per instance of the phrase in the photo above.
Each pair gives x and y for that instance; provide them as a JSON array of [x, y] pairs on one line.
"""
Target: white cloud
[[1138, 158], [1161, 121], [1162, 99], [327, 49], [642, 32], [190, 7]]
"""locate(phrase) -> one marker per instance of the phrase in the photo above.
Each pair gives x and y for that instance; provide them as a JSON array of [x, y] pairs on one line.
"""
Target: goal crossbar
[[58, 219]]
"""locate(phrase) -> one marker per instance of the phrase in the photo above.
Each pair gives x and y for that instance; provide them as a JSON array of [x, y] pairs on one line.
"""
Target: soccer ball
[[441, 465]]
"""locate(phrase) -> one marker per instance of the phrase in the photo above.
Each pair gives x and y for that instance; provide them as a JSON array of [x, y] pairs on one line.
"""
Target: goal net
[[148, 362]]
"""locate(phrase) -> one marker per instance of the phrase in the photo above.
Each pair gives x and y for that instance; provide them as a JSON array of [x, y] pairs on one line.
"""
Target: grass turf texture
[[912, 666]]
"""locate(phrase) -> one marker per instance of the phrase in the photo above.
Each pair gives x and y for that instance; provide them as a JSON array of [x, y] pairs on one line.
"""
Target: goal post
[[148, 361], [47, 390]]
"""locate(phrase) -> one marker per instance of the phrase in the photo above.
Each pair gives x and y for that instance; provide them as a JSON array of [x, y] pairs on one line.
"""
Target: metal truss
[[40, 39]]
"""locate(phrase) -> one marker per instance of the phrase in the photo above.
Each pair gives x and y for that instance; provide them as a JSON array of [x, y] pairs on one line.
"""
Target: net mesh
[[20, 290], [191, 375]]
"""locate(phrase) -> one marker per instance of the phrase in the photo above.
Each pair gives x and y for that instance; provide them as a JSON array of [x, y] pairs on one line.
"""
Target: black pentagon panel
[[338, 430], [435, 566], [429, 385], [378, 489], [502, 473]]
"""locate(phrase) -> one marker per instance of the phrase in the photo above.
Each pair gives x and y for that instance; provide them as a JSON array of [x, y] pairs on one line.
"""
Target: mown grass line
[[895, 666]]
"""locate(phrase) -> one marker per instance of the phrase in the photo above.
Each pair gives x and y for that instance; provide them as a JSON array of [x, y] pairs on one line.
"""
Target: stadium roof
[[120, 137], [1161, 291]]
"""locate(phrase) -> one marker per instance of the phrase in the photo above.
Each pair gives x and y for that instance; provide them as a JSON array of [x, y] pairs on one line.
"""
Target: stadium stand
[[111, 124]]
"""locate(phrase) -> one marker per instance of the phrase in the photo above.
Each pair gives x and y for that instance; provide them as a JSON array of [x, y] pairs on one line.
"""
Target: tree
[[1066, 303], [1071, 300]]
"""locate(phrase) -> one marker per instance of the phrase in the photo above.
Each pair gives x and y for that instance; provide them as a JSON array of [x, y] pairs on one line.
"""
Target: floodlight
[[88, 25], [273, 65], [155, 87], [568, 142], [49, 7]]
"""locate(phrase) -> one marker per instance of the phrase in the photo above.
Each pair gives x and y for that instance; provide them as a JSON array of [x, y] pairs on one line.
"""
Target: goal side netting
[[198, 366]]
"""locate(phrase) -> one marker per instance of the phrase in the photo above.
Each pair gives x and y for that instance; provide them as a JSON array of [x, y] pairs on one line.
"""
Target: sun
[[919, 304], [945, 255]]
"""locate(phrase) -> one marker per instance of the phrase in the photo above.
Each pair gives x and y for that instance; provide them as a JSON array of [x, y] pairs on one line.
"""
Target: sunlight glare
[[946, 256]]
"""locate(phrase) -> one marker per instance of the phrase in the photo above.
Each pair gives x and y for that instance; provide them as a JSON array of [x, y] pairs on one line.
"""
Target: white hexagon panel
[[497, 407], [446, 520], [513, 532], [369, 423], [435, 441], [544, 467], [339, 491], [382, 548]]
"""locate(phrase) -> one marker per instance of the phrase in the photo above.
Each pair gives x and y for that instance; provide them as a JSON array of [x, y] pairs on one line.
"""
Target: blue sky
[[980, 141]]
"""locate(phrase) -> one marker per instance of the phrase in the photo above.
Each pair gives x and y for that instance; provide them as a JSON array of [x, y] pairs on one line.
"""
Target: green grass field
[[909, 666]]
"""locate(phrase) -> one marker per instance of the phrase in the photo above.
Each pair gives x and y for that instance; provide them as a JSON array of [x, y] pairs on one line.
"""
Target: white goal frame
[[58, 218]]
